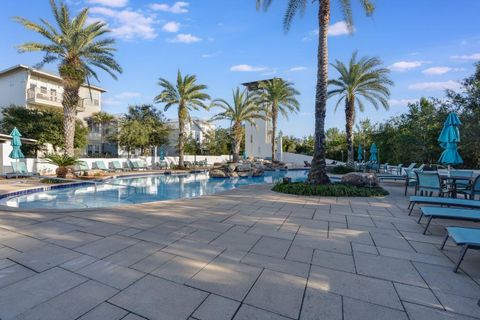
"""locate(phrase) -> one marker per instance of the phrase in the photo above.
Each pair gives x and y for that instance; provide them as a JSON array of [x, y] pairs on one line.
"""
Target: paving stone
[[5, 263], [21, 243], [236, 240], [352, 235], [6, 252], [27, 293], [417, 312], [393, 242], [300, 254], [44, 258], [179, 269], [358, 247], [193, 250], [413, 256], [160, 238], [13, 274], [94, 227], [133, 254], [106, 246], [388, 268], [152, 262], [460, 305], [442, 279], [156, 298], [319, 304], [272, 247], [132, 316], [276, 264], [216, 308], [226, 278], [360, 310], [355, 286], [44, 230], [204, 236], [111, 274], [333, 260], [247, 312], [417, 295], [105, 311], [71, 304], [72, 239], [323, 244], [129, 232], [78, 263], [278, 292]]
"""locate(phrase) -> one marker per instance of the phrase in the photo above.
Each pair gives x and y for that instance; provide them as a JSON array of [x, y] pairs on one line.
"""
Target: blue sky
[[430, 45]]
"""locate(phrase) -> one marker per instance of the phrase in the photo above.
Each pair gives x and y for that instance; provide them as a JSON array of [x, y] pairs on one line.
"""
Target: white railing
[[37, 96]]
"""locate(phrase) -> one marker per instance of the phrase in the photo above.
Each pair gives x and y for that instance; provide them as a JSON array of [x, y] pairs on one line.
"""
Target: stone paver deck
[[245, 254]]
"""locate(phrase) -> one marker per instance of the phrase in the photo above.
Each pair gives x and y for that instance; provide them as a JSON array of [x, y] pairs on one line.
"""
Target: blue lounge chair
[[448, 213], [115, 166], [20, 170], [81, 166], [428, 183], [468, 238], [449, 202], [473, 190], [100, 165]]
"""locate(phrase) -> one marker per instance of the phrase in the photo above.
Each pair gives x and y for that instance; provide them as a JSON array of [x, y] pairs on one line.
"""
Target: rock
[[232, 174], [231, 167], [360, 179], [246, 167], [257, 172], [245, 174], [217, 173]]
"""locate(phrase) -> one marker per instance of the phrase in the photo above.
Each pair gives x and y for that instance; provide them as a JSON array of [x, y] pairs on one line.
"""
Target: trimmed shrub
[[329, 190]]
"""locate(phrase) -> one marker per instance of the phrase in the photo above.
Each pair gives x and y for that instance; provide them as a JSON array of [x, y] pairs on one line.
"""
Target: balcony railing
[[37, 96]]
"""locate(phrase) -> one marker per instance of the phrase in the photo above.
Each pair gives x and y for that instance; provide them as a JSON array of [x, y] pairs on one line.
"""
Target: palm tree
[[245, 108], [279, 96], [103, 119], [188, 95], [76, 46], [360, 80], [318, 172]]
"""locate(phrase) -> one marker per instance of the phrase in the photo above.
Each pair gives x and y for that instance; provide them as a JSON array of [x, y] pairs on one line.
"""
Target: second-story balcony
[[42, 97]]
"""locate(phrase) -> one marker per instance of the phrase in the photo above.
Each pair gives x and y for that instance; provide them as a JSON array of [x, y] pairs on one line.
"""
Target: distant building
[[195, 128], [258, 137], [24, 86]]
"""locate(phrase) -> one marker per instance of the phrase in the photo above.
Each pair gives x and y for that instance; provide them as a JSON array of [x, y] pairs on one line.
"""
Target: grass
[[51, 181], [329, 190]]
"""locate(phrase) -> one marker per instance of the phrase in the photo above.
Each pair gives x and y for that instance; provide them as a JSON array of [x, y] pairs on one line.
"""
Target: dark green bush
[[342, 170], [329, 190]]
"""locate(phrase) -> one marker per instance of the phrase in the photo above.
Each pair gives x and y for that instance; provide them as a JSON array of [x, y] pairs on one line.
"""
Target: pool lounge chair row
[[114, 165], [452, 209]]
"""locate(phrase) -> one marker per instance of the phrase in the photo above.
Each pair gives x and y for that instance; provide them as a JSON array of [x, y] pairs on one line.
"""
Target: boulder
[[231, 167], [257, 172], [217, 173], [245, 174], [232, 174], [246, 167], [360, 179]]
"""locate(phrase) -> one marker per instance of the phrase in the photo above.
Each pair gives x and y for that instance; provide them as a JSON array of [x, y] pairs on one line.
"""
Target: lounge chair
[[428, 183], [142, 164], [473, 190], [100, 165], [448, 213], [20, 170], [450, 202], [397, 169], [116, 166], [163, 164], [81, 166], [462, 185], [468, 238]]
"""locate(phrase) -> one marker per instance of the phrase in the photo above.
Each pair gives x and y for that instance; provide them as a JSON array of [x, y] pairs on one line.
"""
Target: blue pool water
[[130, 190]]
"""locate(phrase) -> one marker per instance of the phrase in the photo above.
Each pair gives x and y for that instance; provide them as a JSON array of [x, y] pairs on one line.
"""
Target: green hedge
[[342, 170], [329, 190]]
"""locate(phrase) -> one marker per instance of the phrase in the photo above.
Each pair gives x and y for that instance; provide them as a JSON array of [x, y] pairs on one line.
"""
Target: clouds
[[185, 38], [401, 102], [471, 57], [211, 55], [439, 70], [297, 69], [339, 29], [403, 66], [247, 68], [435, 86], [171, 26], [121, 98], [177, 7]]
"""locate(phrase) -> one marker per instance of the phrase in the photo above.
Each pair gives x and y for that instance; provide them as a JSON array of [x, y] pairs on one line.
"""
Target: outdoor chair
[[20, 170], [448, 213], [115, 166], [441, 201], [462, 185], [81, 166], [468, 238], [142, 164], [383, 168], [100, 165], [163, 164], [472, 190], [428, 183], [396, 169], [133, 165]]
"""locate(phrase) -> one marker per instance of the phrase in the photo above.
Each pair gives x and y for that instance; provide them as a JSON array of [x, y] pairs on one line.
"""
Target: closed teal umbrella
[[359, 153], [449, 139], [16, 144], [373, 153]]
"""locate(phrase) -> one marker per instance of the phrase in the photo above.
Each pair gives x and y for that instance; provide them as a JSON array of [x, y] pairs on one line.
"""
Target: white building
[[24, 86], [195, 128], [258, 137]]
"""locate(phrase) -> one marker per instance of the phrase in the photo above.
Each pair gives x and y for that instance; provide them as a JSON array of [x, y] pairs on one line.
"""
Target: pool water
[[131, 190]]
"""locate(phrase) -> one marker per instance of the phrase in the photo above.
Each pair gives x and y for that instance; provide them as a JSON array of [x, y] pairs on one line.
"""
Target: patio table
[[451, 181]]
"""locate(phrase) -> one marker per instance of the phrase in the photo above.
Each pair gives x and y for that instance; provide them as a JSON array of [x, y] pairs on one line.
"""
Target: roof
[[4, 136], [41, 73]]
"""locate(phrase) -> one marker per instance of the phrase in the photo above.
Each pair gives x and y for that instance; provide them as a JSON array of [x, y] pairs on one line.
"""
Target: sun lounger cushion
[[461, 235]]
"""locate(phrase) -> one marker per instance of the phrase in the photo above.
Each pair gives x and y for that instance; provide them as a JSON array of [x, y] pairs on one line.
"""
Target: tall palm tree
[[188, 95], [103, 119], [360, 80], [245, 108], [279, 96], [77, 47], [318, 172]]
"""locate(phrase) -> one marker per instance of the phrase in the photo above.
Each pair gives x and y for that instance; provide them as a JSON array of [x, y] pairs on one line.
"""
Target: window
[[43, 90], [53, 95]]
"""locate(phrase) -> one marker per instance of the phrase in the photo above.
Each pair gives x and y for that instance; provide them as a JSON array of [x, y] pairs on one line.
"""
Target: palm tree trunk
[[318, 171], [70, 103], [274, 129], [349, 116], [181, 136], [237, 136]]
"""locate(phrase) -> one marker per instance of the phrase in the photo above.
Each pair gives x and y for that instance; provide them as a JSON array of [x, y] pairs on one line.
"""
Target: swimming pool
[[131, 190]]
